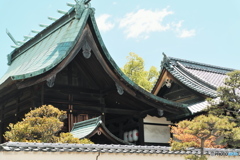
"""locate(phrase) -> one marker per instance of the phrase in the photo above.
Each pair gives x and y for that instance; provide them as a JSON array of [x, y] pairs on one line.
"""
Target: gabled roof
[[45, 55], [200, 77], [88, 128]]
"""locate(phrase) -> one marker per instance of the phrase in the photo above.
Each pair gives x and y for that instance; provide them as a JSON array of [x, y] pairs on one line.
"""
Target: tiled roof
[[85, 128], [88, 128], [59, 147], [51, 46], [47, 49], [199, 106], [200, 77]]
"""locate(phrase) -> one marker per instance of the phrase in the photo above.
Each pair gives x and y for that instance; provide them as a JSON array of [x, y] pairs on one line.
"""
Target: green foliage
[[41, 125], [222, 122], [135, 70], [47, 111], [68, 138], [229, 106], [200, 132]]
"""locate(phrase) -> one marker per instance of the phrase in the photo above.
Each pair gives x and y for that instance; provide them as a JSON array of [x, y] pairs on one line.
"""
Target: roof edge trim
[[130, 82]]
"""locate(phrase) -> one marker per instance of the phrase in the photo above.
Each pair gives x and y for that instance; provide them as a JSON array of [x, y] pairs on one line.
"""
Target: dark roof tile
[[57, 147]]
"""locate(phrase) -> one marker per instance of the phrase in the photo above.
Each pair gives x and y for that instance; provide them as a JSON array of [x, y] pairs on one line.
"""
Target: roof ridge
[[202, 64], [108, 148]]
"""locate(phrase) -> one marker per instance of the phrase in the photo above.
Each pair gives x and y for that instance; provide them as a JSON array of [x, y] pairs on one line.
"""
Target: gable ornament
[[86, 50]]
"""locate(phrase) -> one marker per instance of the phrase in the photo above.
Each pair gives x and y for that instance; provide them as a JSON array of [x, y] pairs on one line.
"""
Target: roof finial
[[80, 6], [166, 61], [11, 37]]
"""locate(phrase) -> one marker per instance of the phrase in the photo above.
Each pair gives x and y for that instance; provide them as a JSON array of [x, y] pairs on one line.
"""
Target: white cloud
[[103, 23], [177, 25], [183, 33], [187, 33], [143, 22]]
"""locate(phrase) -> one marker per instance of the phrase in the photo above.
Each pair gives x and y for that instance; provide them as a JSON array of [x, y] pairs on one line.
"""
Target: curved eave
[[70, 52], [91, 127], [125, 81], [191, 82]]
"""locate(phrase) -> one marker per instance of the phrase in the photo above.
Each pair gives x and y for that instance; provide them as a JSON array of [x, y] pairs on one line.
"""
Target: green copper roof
[[49, 47], [85, 128], [88, 128], [47, 50]]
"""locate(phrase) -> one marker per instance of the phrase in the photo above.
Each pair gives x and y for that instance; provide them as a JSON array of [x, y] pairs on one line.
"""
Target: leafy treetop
[[135, 70]]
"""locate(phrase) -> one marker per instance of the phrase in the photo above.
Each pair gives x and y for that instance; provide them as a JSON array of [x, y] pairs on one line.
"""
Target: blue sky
[[202, 31]]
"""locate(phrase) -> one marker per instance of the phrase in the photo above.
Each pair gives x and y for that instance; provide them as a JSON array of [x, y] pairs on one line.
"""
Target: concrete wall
[[95, 156]]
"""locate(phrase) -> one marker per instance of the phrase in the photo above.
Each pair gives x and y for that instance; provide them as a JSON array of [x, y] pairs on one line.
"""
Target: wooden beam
[[42, 94], [1, 122], [76, 90], [160, 82]]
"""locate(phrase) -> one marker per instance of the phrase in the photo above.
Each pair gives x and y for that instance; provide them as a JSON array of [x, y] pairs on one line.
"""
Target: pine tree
[[228, 105], [41, 125], [202, 131]]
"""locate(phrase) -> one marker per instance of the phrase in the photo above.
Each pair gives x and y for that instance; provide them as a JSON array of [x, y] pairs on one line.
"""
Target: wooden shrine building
[[68, 66], [189, 83]]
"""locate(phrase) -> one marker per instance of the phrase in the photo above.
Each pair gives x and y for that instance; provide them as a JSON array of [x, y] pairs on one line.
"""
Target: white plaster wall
[[93, 156], [156, 133]]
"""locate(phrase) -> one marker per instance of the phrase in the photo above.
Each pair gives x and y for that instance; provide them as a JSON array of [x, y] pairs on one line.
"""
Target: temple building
[[68, 66], [189, 83]]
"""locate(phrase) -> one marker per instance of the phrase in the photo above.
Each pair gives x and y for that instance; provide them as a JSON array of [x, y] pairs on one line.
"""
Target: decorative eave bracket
[[120, 89]]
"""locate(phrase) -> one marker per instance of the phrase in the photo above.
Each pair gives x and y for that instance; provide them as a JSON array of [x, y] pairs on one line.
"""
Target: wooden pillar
[[120, 135], [70, 113], [17, 108], [141, 130], [33, 104], [103, 104], [70, 99], [42, 94]]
